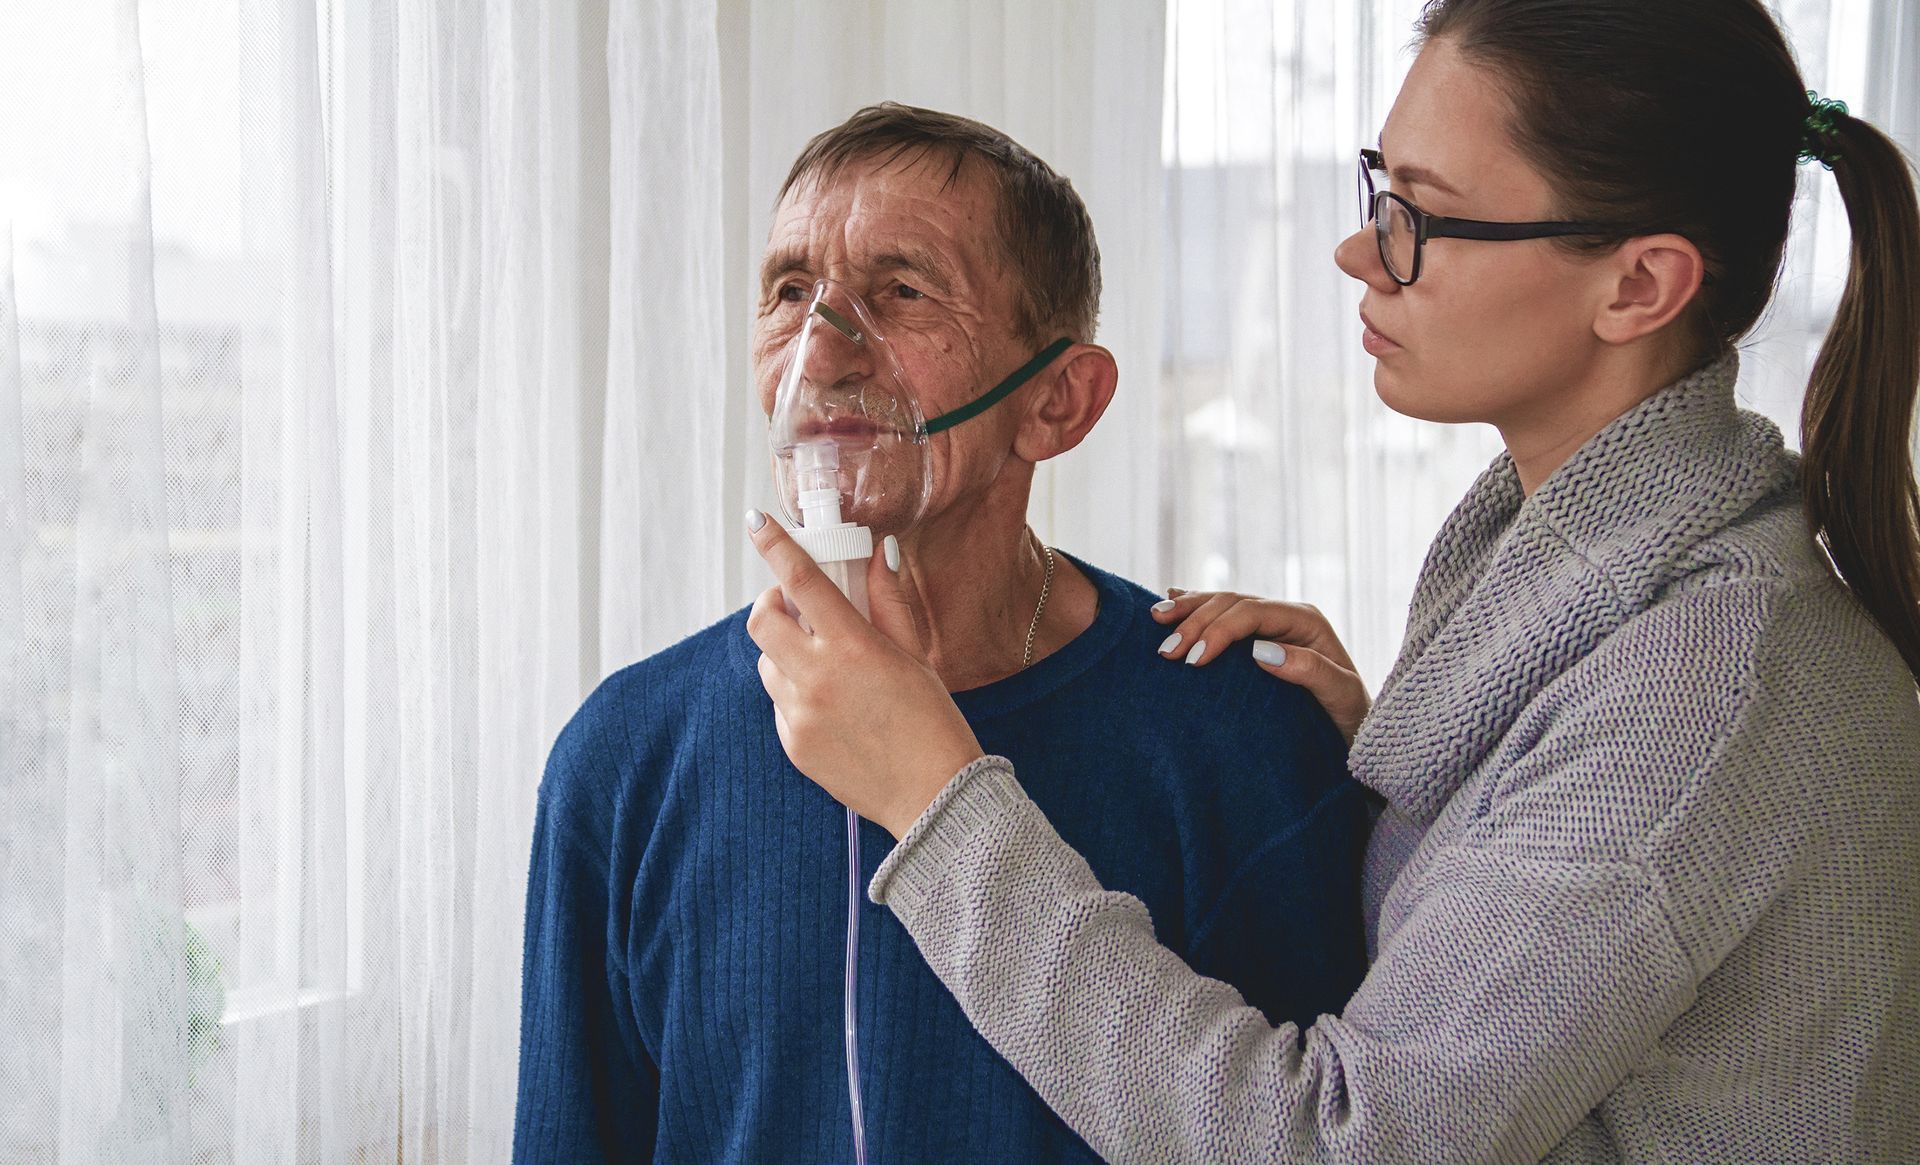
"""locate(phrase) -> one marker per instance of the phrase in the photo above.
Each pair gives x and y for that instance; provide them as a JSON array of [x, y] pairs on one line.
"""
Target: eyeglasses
[[1402, 229]]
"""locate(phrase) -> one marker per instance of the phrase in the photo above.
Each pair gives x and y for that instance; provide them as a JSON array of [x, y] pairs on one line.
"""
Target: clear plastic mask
[[847, 433]]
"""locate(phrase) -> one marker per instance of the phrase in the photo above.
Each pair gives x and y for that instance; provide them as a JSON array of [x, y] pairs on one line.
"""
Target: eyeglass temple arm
[[1440, 227]]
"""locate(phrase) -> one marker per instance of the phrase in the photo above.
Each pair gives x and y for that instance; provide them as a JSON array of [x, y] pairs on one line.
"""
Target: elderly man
[[686, 911]]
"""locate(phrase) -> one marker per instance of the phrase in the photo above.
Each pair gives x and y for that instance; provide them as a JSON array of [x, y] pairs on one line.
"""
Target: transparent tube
[[850, 1005], [850, 994], [850, 575]]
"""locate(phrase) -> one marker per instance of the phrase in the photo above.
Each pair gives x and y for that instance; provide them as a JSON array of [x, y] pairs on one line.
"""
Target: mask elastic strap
[[1000, 392]]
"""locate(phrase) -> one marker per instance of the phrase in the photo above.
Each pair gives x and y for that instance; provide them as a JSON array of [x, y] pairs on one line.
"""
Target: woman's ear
[[1651, 281], [1067, 403]]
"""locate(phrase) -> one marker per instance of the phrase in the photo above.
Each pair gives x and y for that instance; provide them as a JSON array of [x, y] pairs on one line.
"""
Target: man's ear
[[1067, 402], [1651, 281]]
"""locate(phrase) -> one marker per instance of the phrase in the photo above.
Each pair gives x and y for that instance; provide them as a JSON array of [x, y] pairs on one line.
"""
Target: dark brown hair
[[1689, 117], [1044, 227]]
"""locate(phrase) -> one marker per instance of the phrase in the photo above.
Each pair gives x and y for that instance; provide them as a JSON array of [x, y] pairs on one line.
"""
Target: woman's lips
[[1374, 340]]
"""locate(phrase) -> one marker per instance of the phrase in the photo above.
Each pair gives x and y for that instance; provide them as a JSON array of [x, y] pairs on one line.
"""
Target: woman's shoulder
[[1759, 601], [1761, 641], [1736, 702]]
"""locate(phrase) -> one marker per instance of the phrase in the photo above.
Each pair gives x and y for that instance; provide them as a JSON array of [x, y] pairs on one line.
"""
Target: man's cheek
[[766, 385]]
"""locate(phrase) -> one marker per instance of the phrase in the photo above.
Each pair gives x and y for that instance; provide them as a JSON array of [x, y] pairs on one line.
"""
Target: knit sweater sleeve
[[588, 1092], [1515, 995]]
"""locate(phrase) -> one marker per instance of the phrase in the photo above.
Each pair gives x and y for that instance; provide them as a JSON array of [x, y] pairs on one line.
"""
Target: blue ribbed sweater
[[686, 906]]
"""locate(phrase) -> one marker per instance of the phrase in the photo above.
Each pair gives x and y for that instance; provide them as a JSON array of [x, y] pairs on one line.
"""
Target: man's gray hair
[[1044, 227]]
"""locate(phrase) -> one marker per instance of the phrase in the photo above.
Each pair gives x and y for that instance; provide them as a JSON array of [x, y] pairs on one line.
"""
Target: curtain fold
[[668, 390], [293, 399]]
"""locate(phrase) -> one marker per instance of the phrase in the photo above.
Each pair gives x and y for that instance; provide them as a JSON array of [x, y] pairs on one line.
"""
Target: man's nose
[[838, 349]]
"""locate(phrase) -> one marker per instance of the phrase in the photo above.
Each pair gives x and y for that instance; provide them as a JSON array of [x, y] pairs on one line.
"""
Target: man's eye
[[903, 291], [791, 293]]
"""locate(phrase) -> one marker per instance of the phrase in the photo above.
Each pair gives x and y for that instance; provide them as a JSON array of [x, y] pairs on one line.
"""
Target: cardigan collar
[[1516, 590]]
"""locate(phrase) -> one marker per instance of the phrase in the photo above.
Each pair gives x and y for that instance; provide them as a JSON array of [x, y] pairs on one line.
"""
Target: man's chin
[[883, 522]]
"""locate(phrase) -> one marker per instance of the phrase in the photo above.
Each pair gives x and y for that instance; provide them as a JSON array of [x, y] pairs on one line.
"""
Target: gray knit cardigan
[[1648, 887]]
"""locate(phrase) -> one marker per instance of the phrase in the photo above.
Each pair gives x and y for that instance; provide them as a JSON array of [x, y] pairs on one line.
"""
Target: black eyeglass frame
[[1433, 226]]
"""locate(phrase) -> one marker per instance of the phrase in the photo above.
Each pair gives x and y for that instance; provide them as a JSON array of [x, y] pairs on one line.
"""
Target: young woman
[[1647, 882]]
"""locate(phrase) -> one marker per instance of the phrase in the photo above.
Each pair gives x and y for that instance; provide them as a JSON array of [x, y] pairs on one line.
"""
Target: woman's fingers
[[1338, 689], [1177, 604], [1294, 642], [812, 593], [1220, 618], [779, 687], [1189, 640], [887, 598], [868, 722], [774, 631]]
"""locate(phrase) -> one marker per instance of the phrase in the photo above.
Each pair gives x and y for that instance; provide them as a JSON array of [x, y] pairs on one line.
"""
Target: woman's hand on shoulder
[[1293, 641]]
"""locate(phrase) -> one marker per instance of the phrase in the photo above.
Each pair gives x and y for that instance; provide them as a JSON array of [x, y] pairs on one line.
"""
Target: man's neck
[[975, 577]]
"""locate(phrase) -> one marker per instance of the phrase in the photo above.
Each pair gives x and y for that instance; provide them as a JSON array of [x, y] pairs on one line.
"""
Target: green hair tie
[[1819, 140]]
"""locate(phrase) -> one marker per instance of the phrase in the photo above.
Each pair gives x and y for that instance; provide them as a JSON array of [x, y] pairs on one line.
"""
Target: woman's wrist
[[919, 788]]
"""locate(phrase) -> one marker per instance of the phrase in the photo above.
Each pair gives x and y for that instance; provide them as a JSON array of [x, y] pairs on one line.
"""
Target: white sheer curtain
[[303, 354], [1286, 476], [669, 517], [373, 380]]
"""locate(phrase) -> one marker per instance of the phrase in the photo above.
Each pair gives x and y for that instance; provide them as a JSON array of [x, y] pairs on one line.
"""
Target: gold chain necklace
[[1046, 588]]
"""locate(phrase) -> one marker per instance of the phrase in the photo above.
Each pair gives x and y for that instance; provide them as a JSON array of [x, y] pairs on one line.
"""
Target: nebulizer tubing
[[842, 551]]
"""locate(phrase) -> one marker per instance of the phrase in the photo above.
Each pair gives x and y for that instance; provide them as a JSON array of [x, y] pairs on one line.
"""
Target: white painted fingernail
[[1164, 605], [755, 520], [1199, 649], [1171, 645], [1271, 654], [891, 547]]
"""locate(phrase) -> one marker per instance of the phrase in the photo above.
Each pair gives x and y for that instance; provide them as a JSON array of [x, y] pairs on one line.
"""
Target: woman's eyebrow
[[1417, 175], [1421, 176]]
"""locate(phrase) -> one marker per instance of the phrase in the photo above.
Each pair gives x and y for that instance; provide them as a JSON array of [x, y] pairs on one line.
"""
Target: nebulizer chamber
[[840, 548], [849, 445]]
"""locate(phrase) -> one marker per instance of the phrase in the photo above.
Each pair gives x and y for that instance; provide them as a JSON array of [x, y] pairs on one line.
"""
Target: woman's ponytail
[[1857, 423]]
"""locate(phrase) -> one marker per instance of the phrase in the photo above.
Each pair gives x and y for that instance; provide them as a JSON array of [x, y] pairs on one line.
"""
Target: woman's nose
[[1359, 256]]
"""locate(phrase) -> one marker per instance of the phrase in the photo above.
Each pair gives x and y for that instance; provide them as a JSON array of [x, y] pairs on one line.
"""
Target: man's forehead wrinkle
[[886, 225], [789, 245], [868, 217], [928, 159]]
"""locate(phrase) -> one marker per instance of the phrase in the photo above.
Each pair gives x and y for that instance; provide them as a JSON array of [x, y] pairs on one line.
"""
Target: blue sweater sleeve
[[1282, 920], [1287, 929], [588, 1091]]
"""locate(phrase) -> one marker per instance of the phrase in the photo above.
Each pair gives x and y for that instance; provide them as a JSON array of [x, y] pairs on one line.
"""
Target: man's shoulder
[[640, 709], [669, 672], [1231, 691]]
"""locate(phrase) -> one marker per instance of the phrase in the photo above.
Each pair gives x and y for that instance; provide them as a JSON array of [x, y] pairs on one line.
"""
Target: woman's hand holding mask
[[857, 708]]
